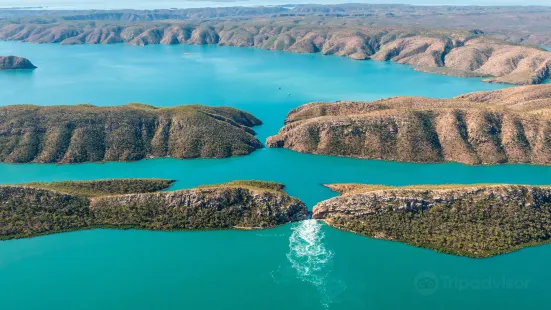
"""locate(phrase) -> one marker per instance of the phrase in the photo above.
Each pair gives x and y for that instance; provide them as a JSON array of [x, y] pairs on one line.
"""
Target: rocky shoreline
[[505, 126], [467, 220], [46, 208]]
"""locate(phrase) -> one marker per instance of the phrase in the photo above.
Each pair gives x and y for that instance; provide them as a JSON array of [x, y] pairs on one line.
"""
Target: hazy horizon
[[165, 4]]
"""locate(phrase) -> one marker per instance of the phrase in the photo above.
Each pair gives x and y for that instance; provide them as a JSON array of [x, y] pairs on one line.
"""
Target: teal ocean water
[[299, 266]]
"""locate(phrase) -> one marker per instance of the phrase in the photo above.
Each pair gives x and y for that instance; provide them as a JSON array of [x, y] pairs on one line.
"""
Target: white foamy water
[[309, 257], [308, 254]]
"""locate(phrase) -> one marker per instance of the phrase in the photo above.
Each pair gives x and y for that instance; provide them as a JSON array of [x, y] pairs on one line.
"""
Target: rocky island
[[506, 126], [358, 32], [15, 63], [466, 220], [86, 133], [43, 208]]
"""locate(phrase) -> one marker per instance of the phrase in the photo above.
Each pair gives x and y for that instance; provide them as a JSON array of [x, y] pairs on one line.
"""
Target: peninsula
[[349, 31], [466, 220], [86, 133], [44, 208], [505, 126], [15, 63]]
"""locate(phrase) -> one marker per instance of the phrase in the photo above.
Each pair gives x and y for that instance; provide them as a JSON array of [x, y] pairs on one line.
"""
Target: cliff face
[[30, 210], [74, 134], [15, 63], [475, 221], [458, 53], [506, 126], [208, 208]]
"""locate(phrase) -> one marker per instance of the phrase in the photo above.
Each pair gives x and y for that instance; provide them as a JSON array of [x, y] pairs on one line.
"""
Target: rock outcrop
[[467, 220], [458, 53], [15, 63], [86, 133], [36, 209], [505, 126]]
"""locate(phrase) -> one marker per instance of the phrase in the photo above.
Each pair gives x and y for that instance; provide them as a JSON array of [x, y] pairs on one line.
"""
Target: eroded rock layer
[[506, 126]]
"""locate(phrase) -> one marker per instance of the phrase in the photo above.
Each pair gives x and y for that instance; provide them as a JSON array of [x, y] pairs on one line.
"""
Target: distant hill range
[[516, 24], [461, 41]]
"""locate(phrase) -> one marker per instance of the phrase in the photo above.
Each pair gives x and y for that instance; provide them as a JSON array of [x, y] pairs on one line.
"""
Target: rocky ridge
[[515, 24], [30, 210], [86, 133], [467, 220], [506, 126]]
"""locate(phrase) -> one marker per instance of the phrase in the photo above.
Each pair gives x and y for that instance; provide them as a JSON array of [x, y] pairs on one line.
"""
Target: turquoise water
[[299, 266]]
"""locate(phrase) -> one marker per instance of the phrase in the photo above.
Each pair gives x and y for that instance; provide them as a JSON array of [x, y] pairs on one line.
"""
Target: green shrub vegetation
[[254, 185], [44, 208], [28, 211], [85, 133], [105, 187], [477, 221]]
